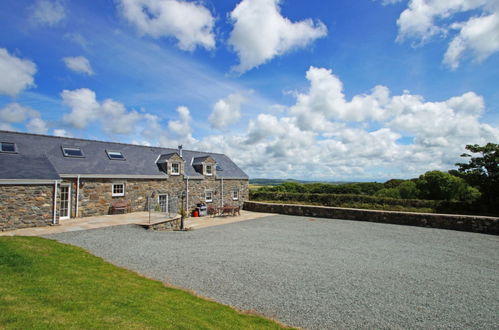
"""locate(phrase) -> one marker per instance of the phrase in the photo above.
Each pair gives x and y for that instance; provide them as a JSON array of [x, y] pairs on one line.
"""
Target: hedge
[[340, 200]]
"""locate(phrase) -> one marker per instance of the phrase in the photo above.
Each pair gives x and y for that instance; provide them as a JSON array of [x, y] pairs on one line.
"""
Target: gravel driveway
[[320, 273]]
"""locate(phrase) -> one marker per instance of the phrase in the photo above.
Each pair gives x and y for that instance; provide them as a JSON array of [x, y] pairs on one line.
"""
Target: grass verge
[[46, 284]]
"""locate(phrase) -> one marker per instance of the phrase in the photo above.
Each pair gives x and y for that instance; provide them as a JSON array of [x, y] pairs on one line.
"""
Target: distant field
[[48, 285], [276, 182]]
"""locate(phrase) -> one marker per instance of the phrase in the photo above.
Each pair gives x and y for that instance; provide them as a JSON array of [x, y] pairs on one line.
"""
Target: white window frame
[[206, 169], [206, 199], [121, 194], [171, 169], [235, 195], [68, 213], [167, 201]]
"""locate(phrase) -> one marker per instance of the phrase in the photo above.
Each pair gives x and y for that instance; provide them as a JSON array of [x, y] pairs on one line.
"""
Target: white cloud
[[85, 109], [261, 33], [19, 114], [356, 139], [61, 132], [226, 111], [37, 125], [16, 113], [479, 35], [476, 35], [79, 64], [325, 101], [190, 23], [6, 127], [15, 74], [46, 12], [181, 128]]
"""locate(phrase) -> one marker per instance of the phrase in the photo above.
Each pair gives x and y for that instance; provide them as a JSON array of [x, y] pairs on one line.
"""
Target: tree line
[[475, 182]]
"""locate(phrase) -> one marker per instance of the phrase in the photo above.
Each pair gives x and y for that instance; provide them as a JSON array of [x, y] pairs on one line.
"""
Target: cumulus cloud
[[16, 113], [15, 74], [261, 33], [473, 26], [181, 128], [226, 111], [326, 101], [46, 12], [356, 138], [37, 125], [79, 64], [190, 23], [61, 132], [85, 109]]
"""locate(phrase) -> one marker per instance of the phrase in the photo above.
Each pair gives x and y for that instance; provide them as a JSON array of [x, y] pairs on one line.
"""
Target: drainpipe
[[187, 195], [222, 196], [77, 195], [54, 215]]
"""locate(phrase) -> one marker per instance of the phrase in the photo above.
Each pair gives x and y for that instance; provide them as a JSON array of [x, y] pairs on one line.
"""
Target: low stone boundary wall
[[477, 224], [165, 225]]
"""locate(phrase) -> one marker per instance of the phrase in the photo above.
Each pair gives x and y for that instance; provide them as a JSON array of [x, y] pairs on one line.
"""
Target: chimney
[[180, 150]]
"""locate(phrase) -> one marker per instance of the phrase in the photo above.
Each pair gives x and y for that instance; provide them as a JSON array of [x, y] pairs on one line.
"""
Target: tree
[[439, 185], [482, 171], [408, 190]]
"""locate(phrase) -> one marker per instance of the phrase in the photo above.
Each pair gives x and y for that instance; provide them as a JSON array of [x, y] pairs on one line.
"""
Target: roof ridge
[[92, 140]]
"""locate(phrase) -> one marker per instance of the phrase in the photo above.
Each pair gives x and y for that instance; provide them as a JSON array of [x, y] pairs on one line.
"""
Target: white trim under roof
[[27, 181], [113, 176]]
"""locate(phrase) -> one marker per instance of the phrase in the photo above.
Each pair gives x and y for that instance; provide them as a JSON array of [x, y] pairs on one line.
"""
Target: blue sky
[[329, 90]]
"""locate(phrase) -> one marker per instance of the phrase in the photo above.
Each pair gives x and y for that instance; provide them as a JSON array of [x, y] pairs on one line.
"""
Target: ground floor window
[[208, 196], [235, 195], [118, 189]]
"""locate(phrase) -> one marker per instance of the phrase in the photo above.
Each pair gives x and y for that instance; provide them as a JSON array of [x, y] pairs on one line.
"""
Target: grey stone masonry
[[23, 206], [478, 224]]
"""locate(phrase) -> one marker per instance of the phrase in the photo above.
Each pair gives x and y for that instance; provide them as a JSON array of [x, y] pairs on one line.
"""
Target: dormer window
[[208, 170], [72, 152], [175, 169], [115, 155], [8, 147]]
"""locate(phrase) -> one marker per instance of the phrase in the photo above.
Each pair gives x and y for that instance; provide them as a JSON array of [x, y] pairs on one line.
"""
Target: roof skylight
[[72, 152], [8, 147], [115, 155]]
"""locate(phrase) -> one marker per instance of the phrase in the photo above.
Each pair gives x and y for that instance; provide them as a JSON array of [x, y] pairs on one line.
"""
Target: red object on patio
[[195, 214]]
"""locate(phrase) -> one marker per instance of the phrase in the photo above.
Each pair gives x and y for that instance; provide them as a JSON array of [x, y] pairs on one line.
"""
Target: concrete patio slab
[[139, 218]]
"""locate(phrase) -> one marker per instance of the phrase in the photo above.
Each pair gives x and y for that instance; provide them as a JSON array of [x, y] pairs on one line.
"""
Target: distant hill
[[275, 182]]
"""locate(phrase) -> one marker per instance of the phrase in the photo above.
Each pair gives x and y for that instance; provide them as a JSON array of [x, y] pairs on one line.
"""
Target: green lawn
[[46, 284]]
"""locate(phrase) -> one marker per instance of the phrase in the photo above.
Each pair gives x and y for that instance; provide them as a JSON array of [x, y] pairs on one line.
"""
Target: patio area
[[138, 218]]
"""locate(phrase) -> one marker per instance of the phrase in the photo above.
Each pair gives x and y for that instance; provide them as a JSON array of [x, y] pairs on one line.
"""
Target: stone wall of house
[[23, 206], [478, 224], [198, 188], [96, 194]]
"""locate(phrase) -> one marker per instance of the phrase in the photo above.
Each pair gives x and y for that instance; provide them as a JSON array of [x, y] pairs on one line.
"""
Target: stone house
[[47, 179]]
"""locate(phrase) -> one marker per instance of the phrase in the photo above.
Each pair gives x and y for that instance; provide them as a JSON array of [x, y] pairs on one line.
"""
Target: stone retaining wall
[[166, 225], [478, 224], [23, 206]]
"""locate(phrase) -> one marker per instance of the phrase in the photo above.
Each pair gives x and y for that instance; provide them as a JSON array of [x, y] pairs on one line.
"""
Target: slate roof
[[199, 160], [140, 160], [20, 167], [165, 157]]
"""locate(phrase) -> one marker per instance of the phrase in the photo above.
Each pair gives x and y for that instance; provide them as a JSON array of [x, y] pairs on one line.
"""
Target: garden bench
[[124, 206]]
